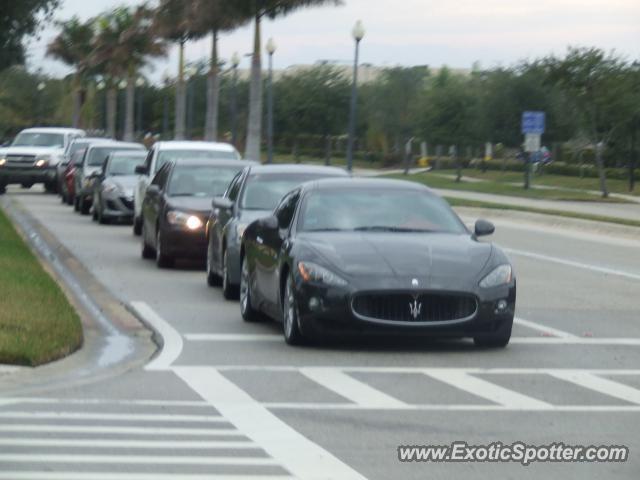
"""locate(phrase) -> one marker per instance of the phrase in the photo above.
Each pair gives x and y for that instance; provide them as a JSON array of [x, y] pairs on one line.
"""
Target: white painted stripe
[[296, 453], [10, 369], [115, 416], [348, 387], [22, 475], [232, 337], [601, 385], [572, 263], [631, 342], [121, 443], [490, 391], [113, 402], [543, 328], [455, 407], [136, 459], [171, 339], [124, 430]]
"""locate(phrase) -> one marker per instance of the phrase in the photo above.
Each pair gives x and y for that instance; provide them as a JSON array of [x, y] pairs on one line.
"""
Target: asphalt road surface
[[226, 399]]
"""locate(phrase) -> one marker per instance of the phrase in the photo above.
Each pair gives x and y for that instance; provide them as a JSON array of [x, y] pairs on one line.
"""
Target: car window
[[98, 155], [147, 162], [160, 178], [123, 164], [234, 188], [76, 159], [176, 155], [34, 139], [201, 180], [285, 211]]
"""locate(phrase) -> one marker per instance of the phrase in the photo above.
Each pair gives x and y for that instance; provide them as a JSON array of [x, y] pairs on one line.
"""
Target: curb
[[115, 340]]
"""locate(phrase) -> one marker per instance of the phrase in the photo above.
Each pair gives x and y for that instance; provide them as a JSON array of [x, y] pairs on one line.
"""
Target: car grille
[[20, 160], [127, 202], [407, 307]]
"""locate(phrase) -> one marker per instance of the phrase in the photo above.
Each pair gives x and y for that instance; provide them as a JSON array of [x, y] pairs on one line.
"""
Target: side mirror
[[153, 189], [484, 228], [269, 223], [141, 170], [222, 203]]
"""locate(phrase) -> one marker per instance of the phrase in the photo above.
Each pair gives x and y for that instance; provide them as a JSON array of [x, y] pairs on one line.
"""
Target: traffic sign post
[[533, 126]]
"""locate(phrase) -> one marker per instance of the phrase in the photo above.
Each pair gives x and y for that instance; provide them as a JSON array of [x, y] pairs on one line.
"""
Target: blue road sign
[[533, 122]]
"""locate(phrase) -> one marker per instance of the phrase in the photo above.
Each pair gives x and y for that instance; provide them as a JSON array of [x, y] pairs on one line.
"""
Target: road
[[229, 400]]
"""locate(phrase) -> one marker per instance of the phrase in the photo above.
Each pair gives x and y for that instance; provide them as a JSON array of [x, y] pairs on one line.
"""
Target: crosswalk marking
[[488, 390], [348, 387], [543, 328], [139, 417], [295, 452], [601, 385], [122, 443], [171, 339], [136, 459], [118, 430], [232, 337], [21, 475]]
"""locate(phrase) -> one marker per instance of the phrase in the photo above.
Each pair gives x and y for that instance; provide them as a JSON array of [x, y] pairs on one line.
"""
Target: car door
[[224, 220], [141, 187], [272, 241], [151, 204]]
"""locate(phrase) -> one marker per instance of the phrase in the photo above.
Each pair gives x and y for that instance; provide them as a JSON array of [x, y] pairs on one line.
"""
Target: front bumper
[[115, 206], [333, 314], [11, 175], [183, 243]]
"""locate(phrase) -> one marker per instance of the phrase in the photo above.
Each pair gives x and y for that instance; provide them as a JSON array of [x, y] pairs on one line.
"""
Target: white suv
[[34, 155], [163, 152]]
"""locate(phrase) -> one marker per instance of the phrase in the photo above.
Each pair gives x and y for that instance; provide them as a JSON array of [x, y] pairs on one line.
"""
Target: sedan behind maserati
[[177, 204], [382, 256]]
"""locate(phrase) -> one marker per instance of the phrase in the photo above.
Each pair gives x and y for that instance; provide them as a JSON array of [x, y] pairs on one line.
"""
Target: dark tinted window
[[234, 188], [264, 191], [287, 209], [201, 180], [377, 210]]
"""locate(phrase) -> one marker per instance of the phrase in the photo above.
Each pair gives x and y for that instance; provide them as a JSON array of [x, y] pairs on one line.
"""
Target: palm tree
[[73, 46], [257, 9], [175, 20], [215, 16]]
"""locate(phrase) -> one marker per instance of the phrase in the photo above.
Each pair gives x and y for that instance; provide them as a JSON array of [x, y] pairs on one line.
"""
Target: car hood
[[126, 183], [434, 259], [191, 204]]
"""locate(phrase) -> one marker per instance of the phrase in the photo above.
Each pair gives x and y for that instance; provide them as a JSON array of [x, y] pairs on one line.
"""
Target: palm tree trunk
[[112, 105], [181, 100], [129, 106], [213, 94], [254, 126], [77, 102]]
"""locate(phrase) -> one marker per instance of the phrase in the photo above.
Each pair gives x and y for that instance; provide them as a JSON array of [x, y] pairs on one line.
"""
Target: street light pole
[[358, 35], [271, 49], [140, 85], [103, 104], [235, 62], [41, 87], [122, 85]]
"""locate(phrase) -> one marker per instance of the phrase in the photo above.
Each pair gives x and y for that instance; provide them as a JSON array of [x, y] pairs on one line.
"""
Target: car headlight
[[2, 161], [312, 272], [42, 161], [183, 219], [501, 275]]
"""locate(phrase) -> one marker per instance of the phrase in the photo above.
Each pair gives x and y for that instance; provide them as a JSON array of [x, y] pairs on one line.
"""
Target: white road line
[[196, 432], [115, 416], [136, 459], [348, 387], [571, 263], [101, 401], [9, 369], [456, 407], [543, 328], [601, 385], [232, 337], [490, 391], [22, 475], [296, 453], [171, 339], [121, 443], [631, 342]]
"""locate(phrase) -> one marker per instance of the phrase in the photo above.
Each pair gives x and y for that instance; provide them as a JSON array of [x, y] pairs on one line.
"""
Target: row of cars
[[308, 246]]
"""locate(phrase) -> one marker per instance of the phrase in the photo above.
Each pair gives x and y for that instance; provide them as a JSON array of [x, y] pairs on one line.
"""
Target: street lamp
[[271, 49], [139, 84], [358, 34], [235, 62]]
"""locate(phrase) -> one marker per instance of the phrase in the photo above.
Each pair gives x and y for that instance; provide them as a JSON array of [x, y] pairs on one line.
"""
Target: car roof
[[297, 168], [195, 145], [365, 183], [91, 139], [196, 162], [53, 130], [123, 153], [120, 145]]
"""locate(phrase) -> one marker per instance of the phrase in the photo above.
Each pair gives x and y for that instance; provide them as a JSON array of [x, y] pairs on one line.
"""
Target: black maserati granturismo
[[351, 256]]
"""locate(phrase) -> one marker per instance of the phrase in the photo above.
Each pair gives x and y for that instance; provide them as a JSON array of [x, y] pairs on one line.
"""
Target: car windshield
[[34, 139], [177, 155], [201, 180], [377, 210], [264, 191], [98, 155], [124, 164]]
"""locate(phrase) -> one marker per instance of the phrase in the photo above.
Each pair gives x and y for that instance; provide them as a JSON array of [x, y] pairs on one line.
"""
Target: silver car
[[113, 192]]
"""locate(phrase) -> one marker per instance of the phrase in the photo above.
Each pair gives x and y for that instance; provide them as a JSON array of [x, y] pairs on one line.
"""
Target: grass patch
[[461, 202], [434, 180], [37, 323]]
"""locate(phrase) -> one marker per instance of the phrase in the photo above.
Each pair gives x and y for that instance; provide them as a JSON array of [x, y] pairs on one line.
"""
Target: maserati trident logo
[[415, 308], [415, 282]]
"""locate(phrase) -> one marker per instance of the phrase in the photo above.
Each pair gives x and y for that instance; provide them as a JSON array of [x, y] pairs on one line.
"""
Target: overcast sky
[[411, 32]]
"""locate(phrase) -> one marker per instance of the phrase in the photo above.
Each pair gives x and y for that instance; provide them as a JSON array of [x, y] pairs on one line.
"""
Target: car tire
[[162, 260], [213, 279], [63, 198], [49, 187], [76, 204], [94, 213], [137, 226], [249, 314], [229, 291], [70, 199], [3, 189], [148, 253], [85, 208], [290, 316]]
